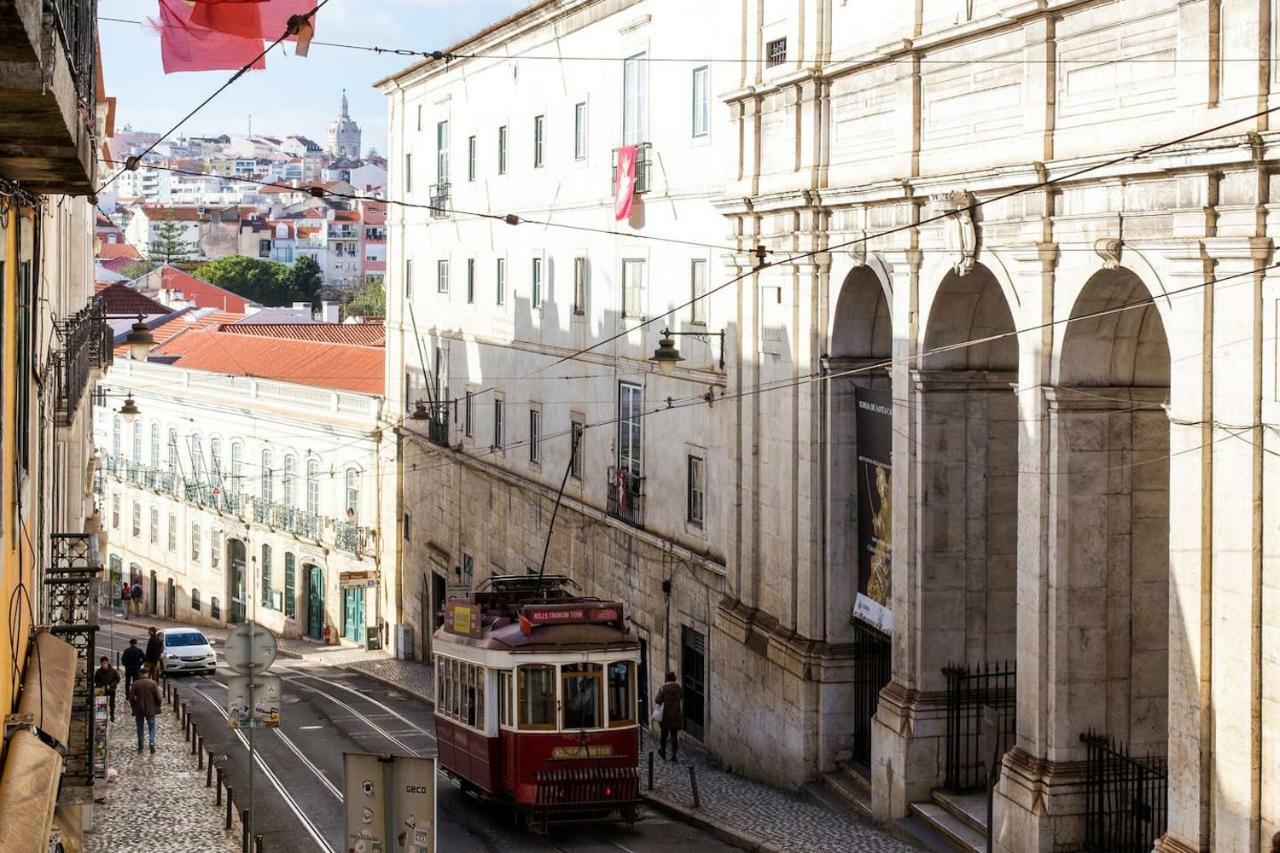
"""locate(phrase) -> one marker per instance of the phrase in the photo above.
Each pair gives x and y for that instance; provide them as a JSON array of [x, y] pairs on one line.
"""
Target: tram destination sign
[[531, 616]]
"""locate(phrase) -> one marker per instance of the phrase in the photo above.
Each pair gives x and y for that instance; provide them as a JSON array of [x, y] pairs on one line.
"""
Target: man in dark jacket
[[671, 698], [132, 661], [145, 699], [136, 595], [106, 678], [155, 651]]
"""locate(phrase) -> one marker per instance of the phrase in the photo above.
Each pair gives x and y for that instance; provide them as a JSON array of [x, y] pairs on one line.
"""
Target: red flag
[[185, 46], [264, 19], [624, 182]]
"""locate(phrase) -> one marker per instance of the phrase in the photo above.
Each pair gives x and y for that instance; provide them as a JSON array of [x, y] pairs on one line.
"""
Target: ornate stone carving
[[1110, 250], [858, 249], [961, 232]]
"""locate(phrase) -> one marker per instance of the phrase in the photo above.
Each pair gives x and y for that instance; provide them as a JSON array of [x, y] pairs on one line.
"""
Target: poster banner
[[263, 711], [874, 424]]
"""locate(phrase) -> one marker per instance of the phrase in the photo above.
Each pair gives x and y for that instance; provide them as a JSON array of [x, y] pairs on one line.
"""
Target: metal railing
[[438, 424], [84, 343], [261, 511], [347, 536], [644, 164], [974, 693], [440, 201], [872, 669], [282, 516], [305, 524], [111, 464], [76, 22], [626, 496], [1126, 798]]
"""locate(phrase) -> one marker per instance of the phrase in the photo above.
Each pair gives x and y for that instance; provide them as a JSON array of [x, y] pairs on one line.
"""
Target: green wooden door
[[315, 603], [353, 614]]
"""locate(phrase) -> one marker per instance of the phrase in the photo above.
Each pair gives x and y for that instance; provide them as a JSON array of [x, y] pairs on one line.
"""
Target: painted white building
[[231, 496]]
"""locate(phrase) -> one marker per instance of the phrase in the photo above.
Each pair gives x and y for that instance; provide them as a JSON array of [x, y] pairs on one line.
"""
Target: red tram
[[536, 701]]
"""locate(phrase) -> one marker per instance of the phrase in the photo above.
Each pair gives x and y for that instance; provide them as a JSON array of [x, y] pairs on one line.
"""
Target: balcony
[[350, 537], [84, 343], [440, 201], [644, 155], [305, 525], [48, 59], [438, 424], [626, 496]]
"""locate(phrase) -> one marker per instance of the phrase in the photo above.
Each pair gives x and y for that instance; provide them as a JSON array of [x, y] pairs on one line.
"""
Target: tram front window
[[537, 697], [581, 685], [622, 705]]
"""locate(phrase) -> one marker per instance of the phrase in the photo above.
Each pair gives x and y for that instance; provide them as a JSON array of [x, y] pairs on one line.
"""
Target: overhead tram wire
[[291, 29]]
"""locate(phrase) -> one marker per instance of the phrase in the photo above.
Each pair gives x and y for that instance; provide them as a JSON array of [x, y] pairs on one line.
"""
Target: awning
[[48, 685], [28, 794]]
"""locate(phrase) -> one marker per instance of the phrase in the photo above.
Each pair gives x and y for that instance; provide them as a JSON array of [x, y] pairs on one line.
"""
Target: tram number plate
[[603, 750]]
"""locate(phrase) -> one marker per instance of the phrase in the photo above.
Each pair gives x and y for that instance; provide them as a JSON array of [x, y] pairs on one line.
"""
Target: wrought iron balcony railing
[[282, 516], [626, 495], [438, 424], [440, 201], [169, 483], [84, 342], [644, 151], [349, 537], [304, 524], [110, 464], [261, 511], [76, 23]]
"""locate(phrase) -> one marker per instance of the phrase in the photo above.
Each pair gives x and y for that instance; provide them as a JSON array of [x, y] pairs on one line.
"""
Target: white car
[[187, 650]]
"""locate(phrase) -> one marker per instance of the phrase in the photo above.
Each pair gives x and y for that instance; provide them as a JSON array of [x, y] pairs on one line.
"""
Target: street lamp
[[420, 412], [667, 355], [140, 340], [129, 411]]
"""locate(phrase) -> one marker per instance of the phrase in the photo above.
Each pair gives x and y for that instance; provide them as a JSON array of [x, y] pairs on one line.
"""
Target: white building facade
[[231, 498]]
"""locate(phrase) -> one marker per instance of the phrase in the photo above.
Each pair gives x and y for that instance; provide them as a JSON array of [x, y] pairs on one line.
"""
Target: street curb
[[728, 834], [395, 685]]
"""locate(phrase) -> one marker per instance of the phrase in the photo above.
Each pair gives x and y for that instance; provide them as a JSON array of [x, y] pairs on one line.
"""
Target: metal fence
[[1126, 798], [981, 722], [626, 496], [83, 344], [76, 22], [872, 668]]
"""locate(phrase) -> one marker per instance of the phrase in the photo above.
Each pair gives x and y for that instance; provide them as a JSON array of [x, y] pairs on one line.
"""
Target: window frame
[[695, 492], [471, 158], [195, 542], [498, 424], [698, 291], [408, 173], [633, 292], [552, 726], [539, 139], [580, 131], [290, 585], [634, 98], [471, 281], [772, 57], [536, 270], [468, 415], [565, 674], [408, 278], [442, 276], [264, 574], [502, 149], [500, 281], [442, 152], [630, 704], [535, 436], [701, 98], [577, 430]]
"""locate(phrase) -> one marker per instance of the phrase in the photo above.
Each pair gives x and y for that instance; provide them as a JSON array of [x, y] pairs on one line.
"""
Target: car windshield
[[185, 638]]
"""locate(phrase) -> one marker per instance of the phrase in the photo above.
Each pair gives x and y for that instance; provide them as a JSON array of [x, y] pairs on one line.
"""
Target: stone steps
[[958, 819]]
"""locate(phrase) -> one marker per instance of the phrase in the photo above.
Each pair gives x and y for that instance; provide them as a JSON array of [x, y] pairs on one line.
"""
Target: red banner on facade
[[625, 182]]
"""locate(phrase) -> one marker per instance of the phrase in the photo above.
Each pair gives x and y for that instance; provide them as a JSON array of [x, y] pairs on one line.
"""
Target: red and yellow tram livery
[[536, 700]]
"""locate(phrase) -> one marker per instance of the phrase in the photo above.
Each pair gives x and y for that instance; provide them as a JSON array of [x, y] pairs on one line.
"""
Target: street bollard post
[[208, 772], [244, 831], [257, 844], [651, 770], [218, 796], [693, 783], [195, 739], [230, 793], [199, 752]]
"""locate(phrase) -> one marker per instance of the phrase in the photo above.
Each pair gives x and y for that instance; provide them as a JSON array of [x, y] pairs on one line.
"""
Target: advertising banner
[[874, 424], [263, 711]]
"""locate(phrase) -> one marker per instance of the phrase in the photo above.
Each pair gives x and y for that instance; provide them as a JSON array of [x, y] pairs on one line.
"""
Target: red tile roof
[[116, 264], [107, 251], [122, 300], [181, 214], [187, 321], [197, 290], [341, 367], [358, 334]]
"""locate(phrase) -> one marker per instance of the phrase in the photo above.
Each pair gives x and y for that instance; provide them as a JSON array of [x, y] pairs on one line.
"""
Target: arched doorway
[[314, 576], [171, 600], [154, 598], [859, 524], [236, 560], [1109, 492]]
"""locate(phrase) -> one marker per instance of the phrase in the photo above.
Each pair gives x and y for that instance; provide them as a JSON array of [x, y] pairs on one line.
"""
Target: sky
[[294, 95]]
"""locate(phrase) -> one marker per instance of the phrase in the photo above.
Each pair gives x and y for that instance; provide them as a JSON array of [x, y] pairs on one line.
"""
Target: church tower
[[344, 135]]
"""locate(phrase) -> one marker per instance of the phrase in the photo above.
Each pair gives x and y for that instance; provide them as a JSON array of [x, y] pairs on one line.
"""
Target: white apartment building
[[230, 497], [473, 304]]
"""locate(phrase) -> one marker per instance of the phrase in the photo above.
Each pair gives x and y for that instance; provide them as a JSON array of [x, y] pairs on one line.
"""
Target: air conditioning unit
[[402, 641]]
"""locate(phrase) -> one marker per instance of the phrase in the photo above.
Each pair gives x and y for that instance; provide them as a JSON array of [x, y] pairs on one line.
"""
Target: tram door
[[693, 674], [642, 683]]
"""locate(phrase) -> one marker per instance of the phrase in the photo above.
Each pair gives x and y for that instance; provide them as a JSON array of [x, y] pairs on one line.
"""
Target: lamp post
[[667, 355], [140, 340], [129, 410]]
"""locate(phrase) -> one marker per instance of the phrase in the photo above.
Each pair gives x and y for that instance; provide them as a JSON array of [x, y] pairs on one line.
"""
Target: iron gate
[[1126, 798], [872, 669], [973, 693]]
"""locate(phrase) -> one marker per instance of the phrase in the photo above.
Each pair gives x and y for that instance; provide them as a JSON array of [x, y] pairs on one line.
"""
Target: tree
[[305, 280], [368, 300], [265, 282], [136, 269], [171, 245]]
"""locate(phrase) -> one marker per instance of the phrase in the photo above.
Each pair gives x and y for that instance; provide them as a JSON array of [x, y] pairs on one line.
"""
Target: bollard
[[651, 770], [244, 831], [257, 844], [693, 783], [199, 752], [195, 739], [208, 771], [230, 792], [217, 801]]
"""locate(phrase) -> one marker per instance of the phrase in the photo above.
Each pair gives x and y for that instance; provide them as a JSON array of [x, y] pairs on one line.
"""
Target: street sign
[[263, 711], [390, 803], [250, 648]]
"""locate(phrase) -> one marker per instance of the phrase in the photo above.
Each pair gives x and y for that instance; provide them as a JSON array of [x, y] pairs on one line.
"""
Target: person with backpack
[[671, 698], [154, 653], [136, 595], [132, 662]]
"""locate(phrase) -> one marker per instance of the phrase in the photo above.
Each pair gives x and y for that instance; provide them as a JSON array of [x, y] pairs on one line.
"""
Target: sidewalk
[[159, 804]]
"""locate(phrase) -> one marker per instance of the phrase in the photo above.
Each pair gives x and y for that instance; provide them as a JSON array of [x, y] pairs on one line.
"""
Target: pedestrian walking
[[145, 699], [126, 596], [105, 677], [671, 698], [132, 661], [135, 594], [155, 651]]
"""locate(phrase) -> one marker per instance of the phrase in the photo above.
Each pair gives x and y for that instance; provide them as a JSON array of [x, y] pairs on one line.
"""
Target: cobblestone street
[[159, 803]]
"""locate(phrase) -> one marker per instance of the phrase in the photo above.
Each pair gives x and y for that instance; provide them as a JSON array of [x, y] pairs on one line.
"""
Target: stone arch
[[969, 308], [1125, 347]]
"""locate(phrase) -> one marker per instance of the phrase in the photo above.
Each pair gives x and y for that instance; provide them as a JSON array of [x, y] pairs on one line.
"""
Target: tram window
[[537, 697], [504, 699], [479, 671], [469, 711], [582, 695], [622, 705]]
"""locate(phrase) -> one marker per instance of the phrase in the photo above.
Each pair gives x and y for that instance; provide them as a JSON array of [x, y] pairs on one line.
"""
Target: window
[[267, 481], [775, 53], [408, 278], [442, 276], [633, 288], [622, 703], [505, 717], [471, 158], [633, 100], [137, 519], [579, 286], [539, 123], [536, 277], [195, 600], [537, 701], [468, 568], [701, 101], [155, 526], [313, 487], [502, 150], [580, 684], [442, 152], [155, 447], [497, 423], [468, 424], [195, 542], [237, 467], [215, 461], [698, 291], [266, 575], [576, 438], [408, 173], [695, 498], [137, 444], [264, 248], [289, 482], [171, 465], [471, 281], [404, 524], [629, 437], [173, 532], [460, 691], [215, 548], [215, 611], [502, 281], [535, 436], [580, 131], [419, 117], [290, 585], [115, 436]]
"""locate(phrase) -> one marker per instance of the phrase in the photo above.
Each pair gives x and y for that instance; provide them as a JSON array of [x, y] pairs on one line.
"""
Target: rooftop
[[197, 290], [323, 365], [358, 334], [121, 300]]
